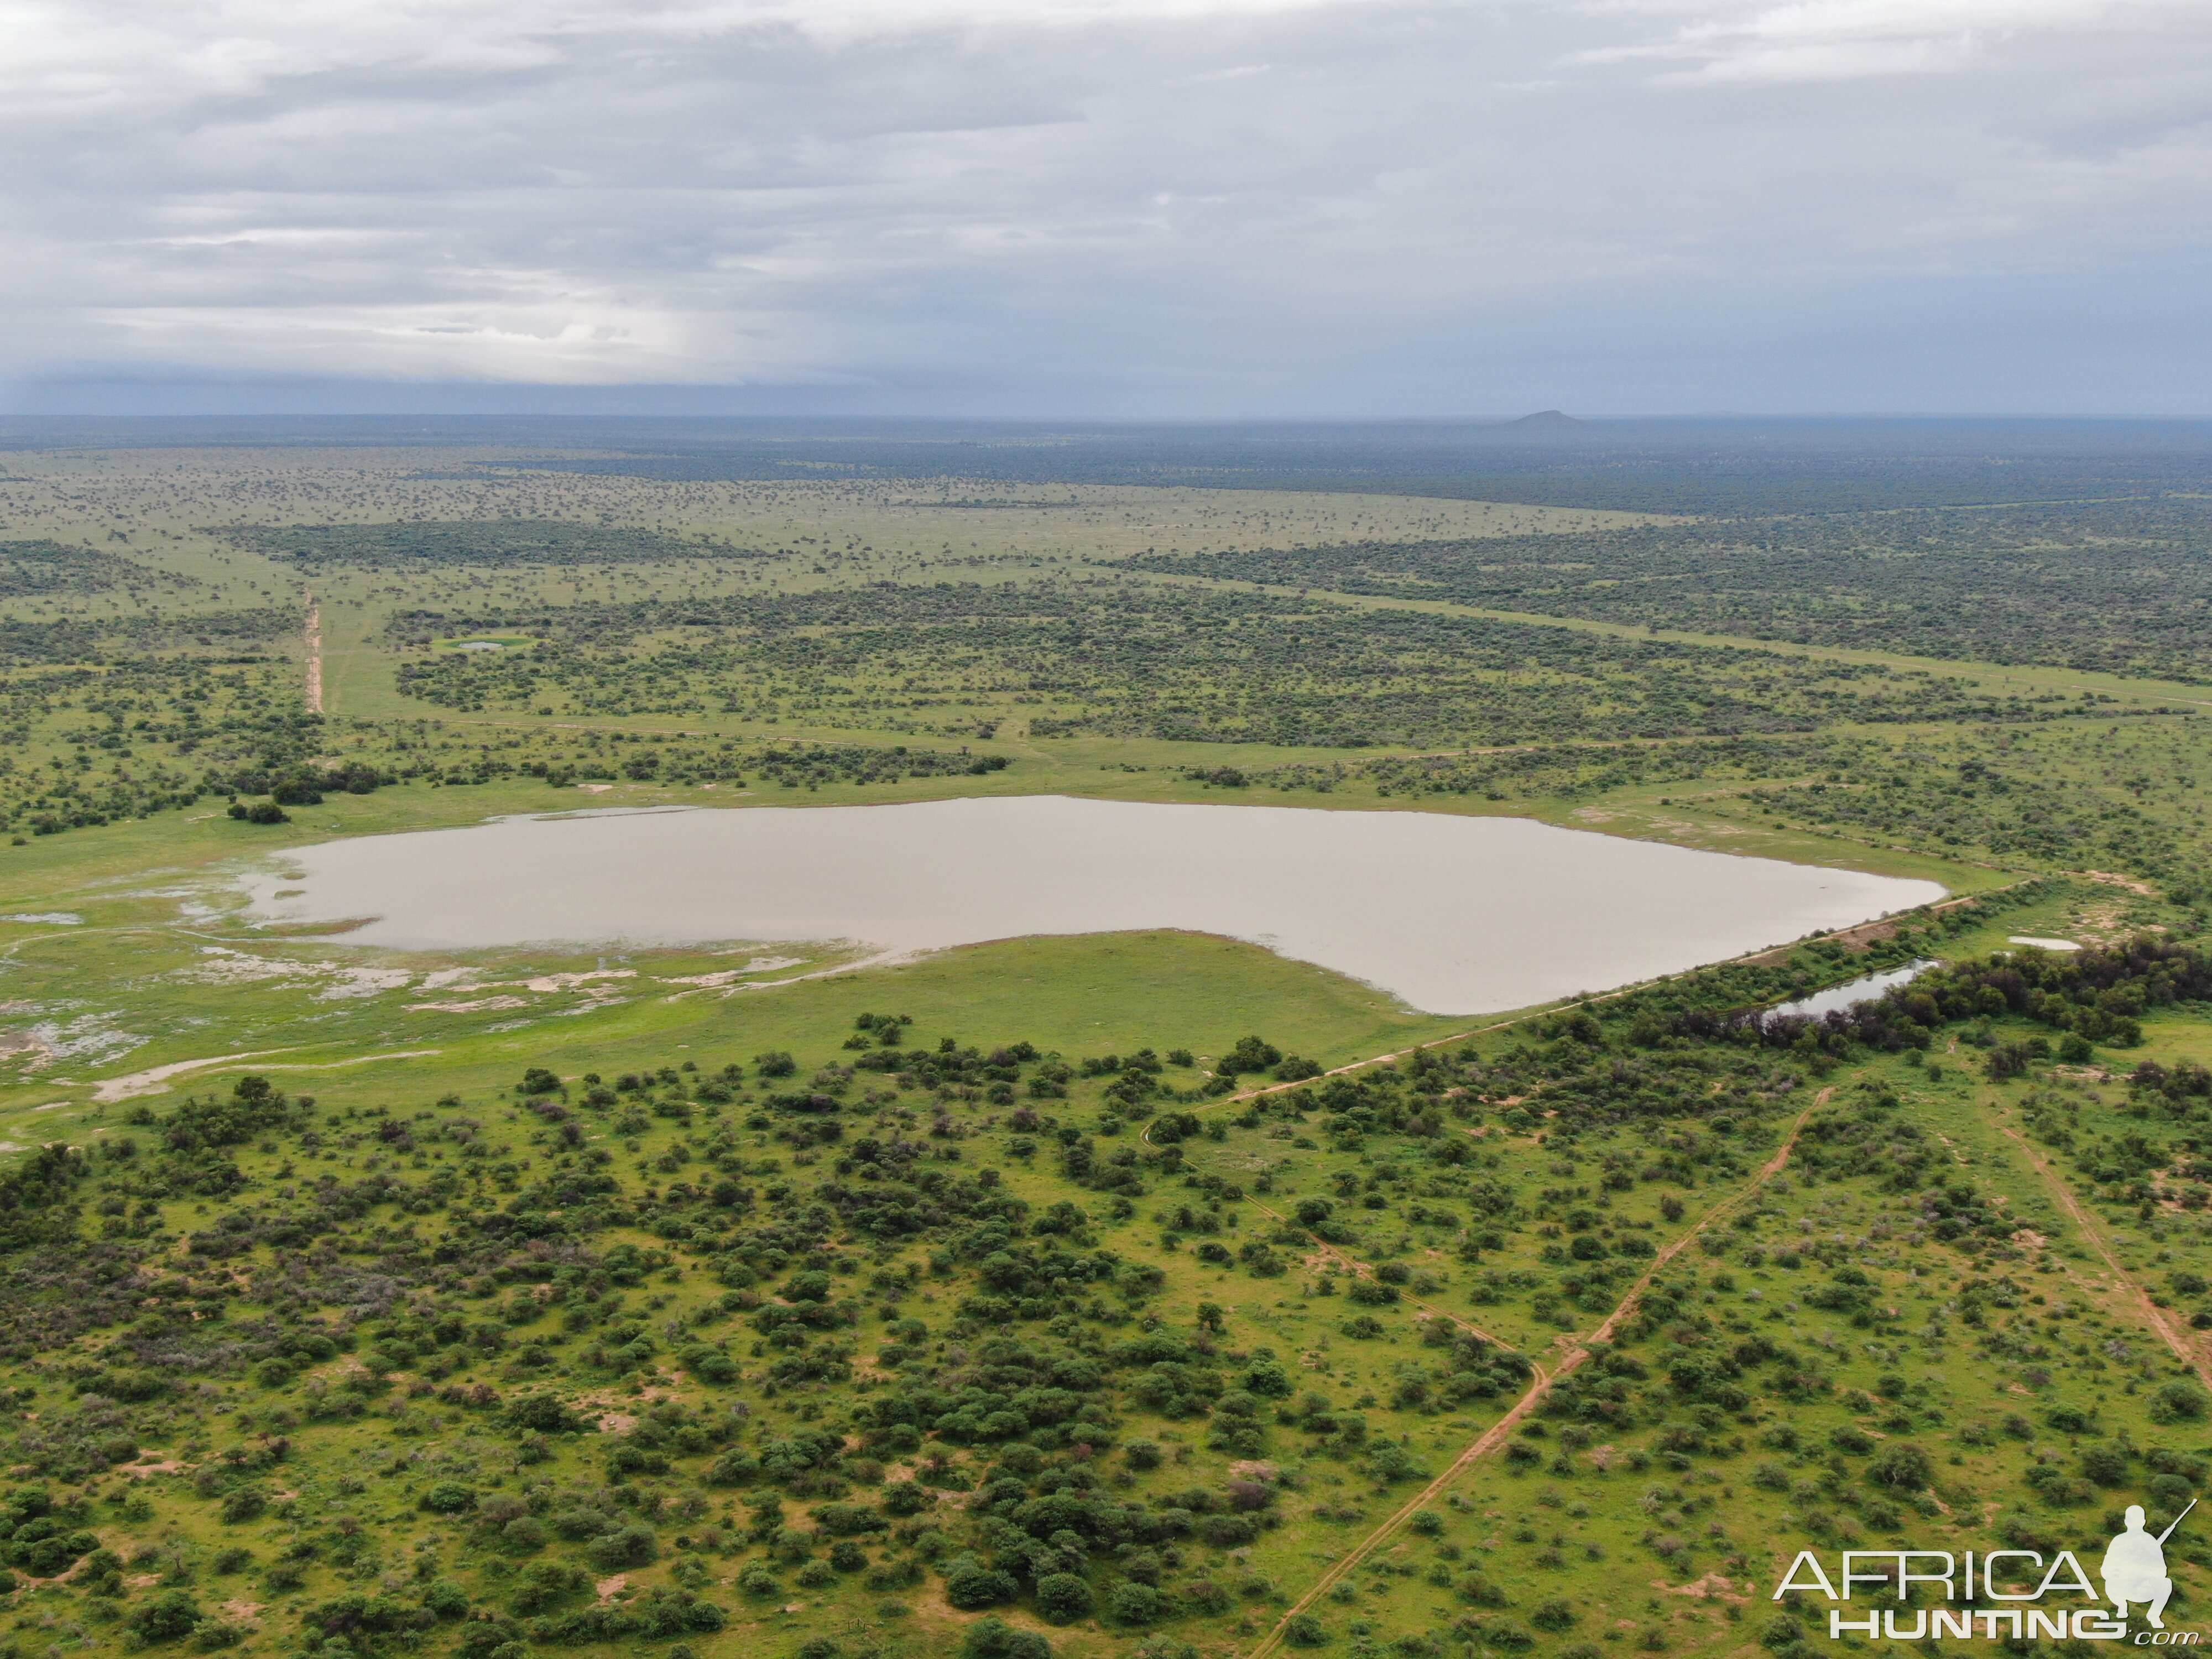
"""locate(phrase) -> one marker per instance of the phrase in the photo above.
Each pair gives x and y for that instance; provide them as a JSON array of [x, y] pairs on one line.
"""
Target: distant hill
[[1548, 420]]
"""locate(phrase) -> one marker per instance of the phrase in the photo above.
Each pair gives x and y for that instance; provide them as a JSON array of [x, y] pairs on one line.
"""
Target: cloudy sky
[[1116, 207]]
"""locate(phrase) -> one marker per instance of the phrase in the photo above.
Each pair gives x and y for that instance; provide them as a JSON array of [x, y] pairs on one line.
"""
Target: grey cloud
[[1192, 205]]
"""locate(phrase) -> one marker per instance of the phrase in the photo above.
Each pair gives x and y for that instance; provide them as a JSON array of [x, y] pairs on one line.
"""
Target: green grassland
[[661, 1302]]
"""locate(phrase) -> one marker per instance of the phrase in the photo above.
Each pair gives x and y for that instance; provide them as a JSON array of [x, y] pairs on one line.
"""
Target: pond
[[1868, 987], [1452, 915]]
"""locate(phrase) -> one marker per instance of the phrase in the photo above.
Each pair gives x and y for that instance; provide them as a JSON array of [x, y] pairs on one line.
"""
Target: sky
[[1132, 208]]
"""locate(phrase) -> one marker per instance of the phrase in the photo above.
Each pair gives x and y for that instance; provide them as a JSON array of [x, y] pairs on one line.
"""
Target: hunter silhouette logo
[[2133, 1570]]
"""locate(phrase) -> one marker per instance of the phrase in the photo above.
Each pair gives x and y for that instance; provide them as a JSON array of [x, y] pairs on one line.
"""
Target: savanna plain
[[1145, 1292]]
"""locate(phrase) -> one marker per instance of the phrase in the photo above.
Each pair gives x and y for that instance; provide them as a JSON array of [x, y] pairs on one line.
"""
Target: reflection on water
[[1454, 914], [1836, 999]]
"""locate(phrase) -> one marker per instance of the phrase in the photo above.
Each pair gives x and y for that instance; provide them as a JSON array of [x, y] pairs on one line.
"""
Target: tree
[[1063, 1597], [1251, 1054], [1902, 1464], [971, 1586], [627, 1547], [2180, 1401], [995, 1638], [446, 1598], [166, 1618], [1133, 1603]]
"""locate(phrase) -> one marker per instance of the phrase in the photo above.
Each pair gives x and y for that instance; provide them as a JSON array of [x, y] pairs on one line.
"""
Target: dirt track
[[1577, 1351], [2187, 1352], [314, 656]]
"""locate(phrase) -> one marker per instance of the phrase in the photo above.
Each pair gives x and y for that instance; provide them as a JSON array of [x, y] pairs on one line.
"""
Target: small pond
[[1453, 914], [1869, 987]]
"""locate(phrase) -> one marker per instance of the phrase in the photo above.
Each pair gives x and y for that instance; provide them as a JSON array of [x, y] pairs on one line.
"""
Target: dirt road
[[314, 656], [1577, 1351]]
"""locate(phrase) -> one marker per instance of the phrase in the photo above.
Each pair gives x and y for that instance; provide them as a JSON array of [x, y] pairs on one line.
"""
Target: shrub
[[849, 1519], [1205, 1596], [1063, 1598], [543, 1413], [1554, 1616], [446, 1599], [971, 1587], [166, 1618], [1902, 1464], [244, 1504], [2178, 1402], [1133, 1603], [546, 1584], [2105, 1465], [449, 1498], [904, 1497], [1141, 1454], [1304, 1631], [995, 1638], [628, 1547]]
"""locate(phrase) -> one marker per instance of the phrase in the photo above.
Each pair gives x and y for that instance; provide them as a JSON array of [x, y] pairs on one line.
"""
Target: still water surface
[[1454, 915], [1837, 998]]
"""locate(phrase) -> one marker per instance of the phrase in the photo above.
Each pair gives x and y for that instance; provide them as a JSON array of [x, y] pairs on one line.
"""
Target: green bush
[[1063, 1597], [628, 1547], [1304, 1631], [1133, 1603], [446, 1599], [1902, 1464], [2178, 1402], [449, 1498], [971, 1586], [244, 1504], [993, 1639], [1554, 1616], [167, 1616]]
